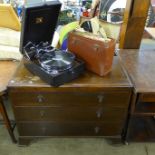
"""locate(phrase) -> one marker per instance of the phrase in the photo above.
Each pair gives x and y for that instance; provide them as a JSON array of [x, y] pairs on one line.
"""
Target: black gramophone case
[[38, 25]]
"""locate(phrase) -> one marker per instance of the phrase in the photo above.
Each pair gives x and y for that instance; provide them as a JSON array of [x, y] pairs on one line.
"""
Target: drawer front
[[145, 108], [70, 114], [67, 129], [118, 99], [150, 97]]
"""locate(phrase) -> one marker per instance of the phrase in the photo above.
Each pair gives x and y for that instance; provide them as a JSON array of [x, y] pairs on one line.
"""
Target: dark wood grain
[[69, 129], [88, 106], [70, 114], [140, 67], [147, 97], [116, 79], [141, 129], [59, 99]]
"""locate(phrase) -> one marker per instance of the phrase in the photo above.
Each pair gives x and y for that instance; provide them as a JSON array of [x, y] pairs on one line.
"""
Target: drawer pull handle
[[97, 129], [98, 114], [100, 98], [42, 113], [40, 98]]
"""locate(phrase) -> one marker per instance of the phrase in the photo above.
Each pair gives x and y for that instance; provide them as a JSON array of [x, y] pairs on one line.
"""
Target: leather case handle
[[75, 41], [96, 47]]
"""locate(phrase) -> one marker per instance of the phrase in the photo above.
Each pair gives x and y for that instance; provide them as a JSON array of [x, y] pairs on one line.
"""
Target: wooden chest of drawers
[[88, 106]]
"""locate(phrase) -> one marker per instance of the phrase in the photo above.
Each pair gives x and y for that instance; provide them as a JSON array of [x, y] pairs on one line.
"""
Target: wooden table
[[7, 69], [140, 66]]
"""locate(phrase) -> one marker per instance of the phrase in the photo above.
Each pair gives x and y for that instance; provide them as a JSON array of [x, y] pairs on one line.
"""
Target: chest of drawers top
[[116, 79]]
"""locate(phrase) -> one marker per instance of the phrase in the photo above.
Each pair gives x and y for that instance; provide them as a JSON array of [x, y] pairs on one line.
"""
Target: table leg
[[6, 121], [130, 112]]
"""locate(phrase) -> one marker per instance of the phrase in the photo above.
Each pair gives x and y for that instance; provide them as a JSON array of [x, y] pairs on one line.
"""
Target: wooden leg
[[133, 103], [114, 141], [128, 121], [24, 141], [125, 132], [6, 121]]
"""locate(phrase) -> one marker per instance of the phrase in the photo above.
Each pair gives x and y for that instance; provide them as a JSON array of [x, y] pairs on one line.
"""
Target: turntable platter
[[58, 61]]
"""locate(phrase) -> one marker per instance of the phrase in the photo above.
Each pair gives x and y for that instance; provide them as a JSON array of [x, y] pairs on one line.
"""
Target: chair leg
[[6, 121]]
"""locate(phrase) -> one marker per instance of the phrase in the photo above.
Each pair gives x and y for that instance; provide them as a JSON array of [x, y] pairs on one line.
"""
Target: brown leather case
[[97, 53]]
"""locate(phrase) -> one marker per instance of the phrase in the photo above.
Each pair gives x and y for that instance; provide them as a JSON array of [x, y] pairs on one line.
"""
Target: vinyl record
[[58, 60]]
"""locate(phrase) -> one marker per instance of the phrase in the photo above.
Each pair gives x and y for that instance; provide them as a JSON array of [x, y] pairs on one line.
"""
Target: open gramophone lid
[[58, 60]]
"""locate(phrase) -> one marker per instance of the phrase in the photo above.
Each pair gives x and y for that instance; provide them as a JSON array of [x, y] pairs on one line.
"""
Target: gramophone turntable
[[52, 65]]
